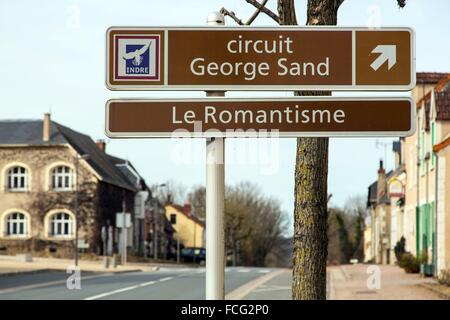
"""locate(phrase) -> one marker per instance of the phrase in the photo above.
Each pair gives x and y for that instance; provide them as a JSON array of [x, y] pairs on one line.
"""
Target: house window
[[16, 225], [62, 178], [17, 179], [173, 218], [61, 225]]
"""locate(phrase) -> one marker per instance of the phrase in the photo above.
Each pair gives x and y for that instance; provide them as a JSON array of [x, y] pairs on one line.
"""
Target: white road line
[[144, 284], [165, 279], [264, 271], [244, 270], [99, 296], [244, 290], [147, 283]]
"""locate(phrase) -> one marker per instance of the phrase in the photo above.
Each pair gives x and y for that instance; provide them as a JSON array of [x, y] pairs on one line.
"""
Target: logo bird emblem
[[136, 55]]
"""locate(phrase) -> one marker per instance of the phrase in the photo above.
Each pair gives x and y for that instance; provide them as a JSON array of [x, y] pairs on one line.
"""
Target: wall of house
[[443, 208], [40, 200], [189, 232], [368, 244]]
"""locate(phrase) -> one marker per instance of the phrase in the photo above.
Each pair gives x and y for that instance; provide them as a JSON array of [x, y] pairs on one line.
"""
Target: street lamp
[[77, 164], [155, 223]]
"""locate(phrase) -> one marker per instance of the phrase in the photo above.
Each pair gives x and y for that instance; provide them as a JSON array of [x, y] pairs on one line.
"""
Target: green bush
[[399, 248], [409, 263]]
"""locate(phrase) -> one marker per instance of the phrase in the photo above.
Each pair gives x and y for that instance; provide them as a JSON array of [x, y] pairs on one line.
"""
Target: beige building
[[418, 197], [189, 229], [380, 217]]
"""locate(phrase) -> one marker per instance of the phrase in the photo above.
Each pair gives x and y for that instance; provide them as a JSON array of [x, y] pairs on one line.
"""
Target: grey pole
[[215, 188], [155, 233], [178, 249], [124, 232], [76, 211], [77, 164]]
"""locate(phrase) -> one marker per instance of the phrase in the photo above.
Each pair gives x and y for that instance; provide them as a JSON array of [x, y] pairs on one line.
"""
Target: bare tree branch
[[262, 8], [232, 15], [256, 13]]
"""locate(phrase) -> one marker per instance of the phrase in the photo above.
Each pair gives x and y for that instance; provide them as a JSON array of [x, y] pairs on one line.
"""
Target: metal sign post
[[215, 194]]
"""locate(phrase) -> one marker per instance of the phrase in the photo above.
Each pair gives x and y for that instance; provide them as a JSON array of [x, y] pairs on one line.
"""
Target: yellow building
[[188, 227]]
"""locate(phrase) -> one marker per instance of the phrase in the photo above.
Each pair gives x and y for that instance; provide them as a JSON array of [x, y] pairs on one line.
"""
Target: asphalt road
[[166, 283]]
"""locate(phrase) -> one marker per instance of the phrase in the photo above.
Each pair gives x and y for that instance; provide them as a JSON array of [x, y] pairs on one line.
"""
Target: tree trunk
[[311, 171]]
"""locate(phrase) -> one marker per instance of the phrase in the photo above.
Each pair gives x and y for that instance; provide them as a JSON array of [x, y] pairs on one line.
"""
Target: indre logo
[[137, 57]]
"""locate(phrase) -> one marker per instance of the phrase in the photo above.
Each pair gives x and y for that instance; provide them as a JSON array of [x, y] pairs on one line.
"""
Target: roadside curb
[[440, 293], [18, 272], [103, 271]]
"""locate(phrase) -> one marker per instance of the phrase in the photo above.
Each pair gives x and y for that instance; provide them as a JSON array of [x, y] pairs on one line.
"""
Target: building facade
[[56, 183], [419, 208], [189, 229]]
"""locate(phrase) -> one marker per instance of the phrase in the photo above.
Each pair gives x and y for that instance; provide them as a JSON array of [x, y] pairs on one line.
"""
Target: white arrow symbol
[[387, 53]]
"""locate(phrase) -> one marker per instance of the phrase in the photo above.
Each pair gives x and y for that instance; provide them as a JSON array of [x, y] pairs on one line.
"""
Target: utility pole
[[215, 188], [77, 217], [124, 230], [155, 229], [156, 220]]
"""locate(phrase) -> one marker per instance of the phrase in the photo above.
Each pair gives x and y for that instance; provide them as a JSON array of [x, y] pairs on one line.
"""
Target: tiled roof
[[29, 132], [429, 77], [443, 84], [442, 100]]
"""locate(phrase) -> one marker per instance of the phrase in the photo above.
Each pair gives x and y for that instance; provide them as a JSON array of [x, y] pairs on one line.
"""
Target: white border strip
[[150, 87], [268, 133]]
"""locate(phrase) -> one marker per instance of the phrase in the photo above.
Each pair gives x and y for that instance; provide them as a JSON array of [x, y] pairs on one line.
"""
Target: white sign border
[[353, 87], [331, 134]]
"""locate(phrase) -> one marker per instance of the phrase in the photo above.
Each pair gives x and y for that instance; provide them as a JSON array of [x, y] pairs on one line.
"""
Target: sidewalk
[[349, 282], [9, 265]]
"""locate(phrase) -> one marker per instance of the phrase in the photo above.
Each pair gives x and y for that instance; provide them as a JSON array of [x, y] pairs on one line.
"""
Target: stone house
[[55, 181]]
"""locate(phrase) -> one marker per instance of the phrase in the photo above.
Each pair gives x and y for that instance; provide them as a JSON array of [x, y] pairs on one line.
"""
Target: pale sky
[[53, 58]]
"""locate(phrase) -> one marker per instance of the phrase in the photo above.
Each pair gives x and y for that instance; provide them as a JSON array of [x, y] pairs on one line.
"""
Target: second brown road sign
[[286, 117], [281, 58]]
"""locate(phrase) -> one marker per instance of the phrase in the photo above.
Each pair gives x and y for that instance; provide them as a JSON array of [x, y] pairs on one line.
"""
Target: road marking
[[144, 284], [147, 283], [102, 295], [244, 270], [165, 279], [243, 291], [264, 271]]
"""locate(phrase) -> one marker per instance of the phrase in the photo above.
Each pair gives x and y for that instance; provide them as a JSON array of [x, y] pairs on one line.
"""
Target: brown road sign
[[285, 117], [243, 58]]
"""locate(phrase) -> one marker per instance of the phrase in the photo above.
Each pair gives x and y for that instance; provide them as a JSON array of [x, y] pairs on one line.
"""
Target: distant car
[[195, 255]]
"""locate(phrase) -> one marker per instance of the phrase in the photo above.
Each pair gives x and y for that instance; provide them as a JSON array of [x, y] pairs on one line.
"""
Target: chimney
[[101, 144], [46, 125], [381, 184], [187, 208]]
